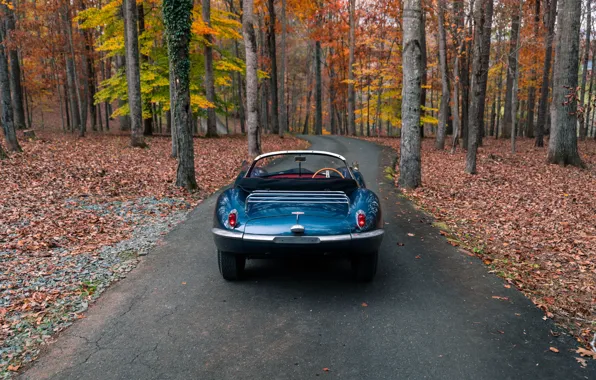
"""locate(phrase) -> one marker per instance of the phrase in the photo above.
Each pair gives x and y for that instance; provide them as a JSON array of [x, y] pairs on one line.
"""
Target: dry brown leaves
[[533, 223]]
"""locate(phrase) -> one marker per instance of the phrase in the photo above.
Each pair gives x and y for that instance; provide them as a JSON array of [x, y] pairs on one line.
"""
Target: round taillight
[[361, 219], [233, 218]]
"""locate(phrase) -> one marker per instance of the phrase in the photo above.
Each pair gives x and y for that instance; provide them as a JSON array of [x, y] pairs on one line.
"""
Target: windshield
[[300, 165]]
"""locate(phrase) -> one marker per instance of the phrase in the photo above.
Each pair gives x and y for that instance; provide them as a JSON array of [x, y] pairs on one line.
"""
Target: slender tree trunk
[[514, 86], [533, 76], [15, 70], [147, 108], [209, 79], [177, 21], [590, 107], [351, 79], [250, 42], [562, 147], [465, 85], [283, 115], [443, 112], [273, 75], [511, 70], [542, 108], [318, 91], [409, 164], [133, 74], [424, 67], [332, 79], [174, 134], [239, 95], [582, 120], [73, 81], [483, 13]]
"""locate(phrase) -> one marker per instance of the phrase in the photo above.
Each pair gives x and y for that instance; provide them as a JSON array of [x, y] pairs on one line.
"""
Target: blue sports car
[[298, 203]]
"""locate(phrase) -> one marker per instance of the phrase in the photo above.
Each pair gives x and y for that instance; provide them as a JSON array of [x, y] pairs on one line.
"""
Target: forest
[[113, 110]]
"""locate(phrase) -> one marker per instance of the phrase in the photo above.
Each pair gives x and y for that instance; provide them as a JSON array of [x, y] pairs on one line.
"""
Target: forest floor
[[76, 214], [531, 223]]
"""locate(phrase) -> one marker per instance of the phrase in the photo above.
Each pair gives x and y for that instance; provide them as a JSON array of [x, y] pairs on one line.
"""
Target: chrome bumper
[[296, 239]]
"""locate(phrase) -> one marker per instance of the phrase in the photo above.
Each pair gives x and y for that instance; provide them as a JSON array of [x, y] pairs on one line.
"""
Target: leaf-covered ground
[[75, 214], [532, 223]]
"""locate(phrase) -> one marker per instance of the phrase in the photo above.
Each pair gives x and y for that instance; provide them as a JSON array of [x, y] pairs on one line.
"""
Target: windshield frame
[[299, 152]]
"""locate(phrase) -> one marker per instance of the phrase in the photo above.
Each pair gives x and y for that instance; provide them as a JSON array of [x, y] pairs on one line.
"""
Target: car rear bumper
[[269, 245]]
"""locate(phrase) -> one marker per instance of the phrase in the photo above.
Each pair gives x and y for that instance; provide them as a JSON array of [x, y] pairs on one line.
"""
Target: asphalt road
[[429, 314]]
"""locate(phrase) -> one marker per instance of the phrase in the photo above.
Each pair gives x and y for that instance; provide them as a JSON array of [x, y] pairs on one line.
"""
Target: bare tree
[[444, 110], [209, 80], [283, 115], [483, 14], [15, 71], [133, 73], [409, 165], [250, 43], [273, 59], [177, 21], [562, 147], [542, 108], [318, 90], [511, 72], [5, 97], [582, 119], [351, 89]]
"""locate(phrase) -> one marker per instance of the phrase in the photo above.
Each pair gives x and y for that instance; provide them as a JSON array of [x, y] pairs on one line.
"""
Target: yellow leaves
[[200, 101], [226, 65], [223, 81]]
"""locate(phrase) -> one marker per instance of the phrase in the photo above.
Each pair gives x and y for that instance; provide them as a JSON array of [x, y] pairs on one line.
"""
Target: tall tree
[[71, 75], [5, 97], [409, 164], [318, 90], [209, 80], [252, 85], [443, 111], [133, 73], [551, 8], [283, 115], [273, 59], [147, 110], [511, 72], [351, 78], [582, 119], [533, 75], [483, 15], [562, 147], [177, 22], [15, 69]]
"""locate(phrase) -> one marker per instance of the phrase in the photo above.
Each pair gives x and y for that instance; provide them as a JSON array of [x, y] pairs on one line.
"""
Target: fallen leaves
[[501, 298], [534, 221], [586, 353], [554, 349]]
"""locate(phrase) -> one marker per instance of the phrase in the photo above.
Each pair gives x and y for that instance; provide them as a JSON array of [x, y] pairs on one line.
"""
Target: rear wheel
[[365, 266], [231, 266]]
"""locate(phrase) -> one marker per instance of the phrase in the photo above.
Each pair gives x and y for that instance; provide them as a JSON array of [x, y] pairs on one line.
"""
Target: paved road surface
[[430, 315]]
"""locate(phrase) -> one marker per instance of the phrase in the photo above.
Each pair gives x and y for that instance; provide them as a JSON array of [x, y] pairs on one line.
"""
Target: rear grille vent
[[297, 197]]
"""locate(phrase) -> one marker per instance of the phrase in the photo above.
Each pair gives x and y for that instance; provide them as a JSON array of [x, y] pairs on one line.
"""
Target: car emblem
[[297, 228]]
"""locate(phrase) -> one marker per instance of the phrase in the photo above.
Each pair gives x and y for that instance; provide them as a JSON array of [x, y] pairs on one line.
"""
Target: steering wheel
[[333, 170]]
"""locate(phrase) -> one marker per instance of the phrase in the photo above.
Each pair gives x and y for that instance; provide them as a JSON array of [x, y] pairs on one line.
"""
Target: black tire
[[231, 266], [365, 267]]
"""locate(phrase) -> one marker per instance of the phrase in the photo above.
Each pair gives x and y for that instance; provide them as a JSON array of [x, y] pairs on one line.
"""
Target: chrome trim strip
[[227, 233], [369, 234], [271, 238]]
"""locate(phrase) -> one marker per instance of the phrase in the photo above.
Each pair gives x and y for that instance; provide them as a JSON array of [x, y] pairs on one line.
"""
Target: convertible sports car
[[298, 203]]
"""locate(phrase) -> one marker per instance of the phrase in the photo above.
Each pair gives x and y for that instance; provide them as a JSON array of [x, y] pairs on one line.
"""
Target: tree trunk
[[283, 115], [590, 107], [465, 85], [540, 124], [240, 97], [273, 75], [533, 76], [409, 164], [177, 22], [147, 107], [511, 70], [582, 120], [332, 79], [10, 135], [483, 13], [562, 147], [15, 70], [133, 74], [318, 91], [424, 65], [174, 152], [209, 79], [443, 112], [514, 85], [351, 79], [250, 42]]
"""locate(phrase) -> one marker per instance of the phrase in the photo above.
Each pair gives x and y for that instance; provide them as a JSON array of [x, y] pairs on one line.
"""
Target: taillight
[[361, 219], [233, 218]]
